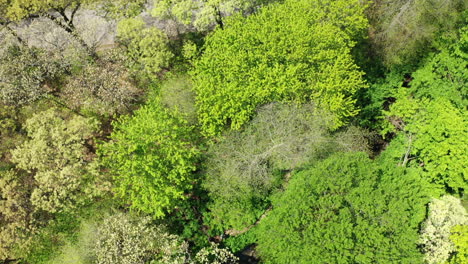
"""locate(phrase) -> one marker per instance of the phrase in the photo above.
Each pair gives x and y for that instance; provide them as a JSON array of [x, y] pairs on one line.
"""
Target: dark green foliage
[[345, 209], [294, 51]]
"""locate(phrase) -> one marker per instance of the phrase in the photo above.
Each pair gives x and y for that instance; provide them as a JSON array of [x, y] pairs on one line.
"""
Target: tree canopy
[[293, 51], [152, 155], [345, 209]]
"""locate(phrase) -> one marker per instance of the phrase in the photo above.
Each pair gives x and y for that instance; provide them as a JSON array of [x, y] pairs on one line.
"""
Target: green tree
[[443, 74], [152, 156], [293, 51], [246, 166], [459, 238], [346, 209], [437, 138], [56, 155], [146, 47]]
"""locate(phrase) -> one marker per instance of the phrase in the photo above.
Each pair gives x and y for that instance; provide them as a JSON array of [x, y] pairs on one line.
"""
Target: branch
[[408, 150], [7, 27]]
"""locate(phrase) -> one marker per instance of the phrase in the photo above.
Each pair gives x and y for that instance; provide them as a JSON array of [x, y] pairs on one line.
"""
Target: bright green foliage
[[147, 47], [203, 14], [459, 238], [123, 239], [403, 31], [26, 74], [444, 214], [152, 156], [445, 75], [245, 167], [295, 51], [345, 209], [56, 154], [439, 138]]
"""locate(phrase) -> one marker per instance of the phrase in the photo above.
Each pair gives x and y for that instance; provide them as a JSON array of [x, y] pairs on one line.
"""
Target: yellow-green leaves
[[55, 153], [147, 48], [439, 138], [295, 51], [152, 156]]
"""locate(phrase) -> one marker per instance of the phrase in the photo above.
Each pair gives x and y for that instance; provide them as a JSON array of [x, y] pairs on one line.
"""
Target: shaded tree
[[245, 167], [104, 88], [403, 31], [16, 219]]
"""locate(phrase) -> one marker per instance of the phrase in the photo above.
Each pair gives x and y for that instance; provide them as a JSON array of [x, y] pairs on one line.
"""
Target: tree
[[437, 138], [459, 238], [215, 255], [124, 239], [294, 51], [443, 74], [56, 155], [61, 12], [27, 74], [346, 209], [104, 88], [146, 47], [444, 214], [203, 14], [245, 167], [16, 221], [402, 32], [152, 156], [177, 95]]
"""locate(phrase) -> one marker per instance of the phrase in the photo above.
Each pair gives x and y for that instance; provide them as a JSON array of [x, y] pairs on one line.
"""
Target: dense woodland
[[233, 131]]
